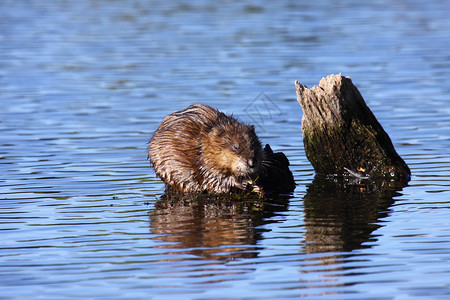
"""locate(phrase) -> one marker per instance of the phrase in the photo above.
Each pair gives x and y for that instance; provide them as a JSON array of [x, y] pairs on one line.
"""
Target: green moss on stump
[[341, 135]]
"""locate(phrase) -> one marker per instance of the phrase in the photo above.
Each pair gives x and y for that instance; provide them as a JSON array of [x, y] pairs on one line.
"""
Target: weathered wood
[[341, 134], [275, 176]]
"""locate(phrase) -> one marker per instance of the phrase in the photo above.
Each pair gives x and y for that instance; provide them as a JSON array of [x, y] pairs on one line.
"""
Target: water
[[83, 84]]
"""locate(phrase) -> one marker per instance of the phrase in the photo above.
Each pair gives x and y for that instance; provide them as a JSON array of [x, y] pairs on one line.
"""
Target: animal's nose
[[251, 163]]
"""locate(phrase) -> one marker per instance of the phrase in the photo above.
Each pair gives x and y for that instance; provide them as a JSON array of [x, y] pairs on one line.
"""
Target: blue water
[[83, 85]]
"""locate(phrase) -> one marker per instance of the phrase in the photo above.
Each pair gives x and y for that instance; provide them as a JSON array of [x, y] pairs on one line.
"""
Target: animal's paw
[[250, 185]]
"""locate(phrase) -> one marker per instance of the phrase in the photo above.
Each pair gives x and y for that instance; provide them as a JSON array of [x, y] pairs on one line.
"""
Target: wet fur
[[201, 149]]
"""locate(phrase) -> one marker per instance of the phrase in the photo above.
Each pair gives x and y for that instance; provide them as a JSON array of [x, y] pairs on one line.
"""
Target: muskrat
[[200, 149]]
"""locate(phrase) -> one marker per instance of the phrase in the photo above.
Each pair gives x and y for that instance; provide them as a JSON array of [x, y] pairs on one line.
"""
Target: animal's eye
[[235, 147]]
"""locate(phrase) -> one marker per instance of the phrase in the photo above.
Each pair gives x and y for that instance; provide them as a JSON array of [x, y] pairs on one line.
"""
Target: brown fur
[[201, 149]]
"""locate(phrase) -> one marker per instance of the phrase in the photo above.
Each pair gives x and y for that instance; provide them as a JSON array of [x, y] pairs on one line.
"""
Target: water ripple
[[84, 84]]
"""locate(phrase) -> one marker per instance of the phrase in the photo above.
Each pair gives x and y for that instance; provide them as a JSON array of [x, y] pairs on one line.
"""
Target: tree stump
[[341, 134]]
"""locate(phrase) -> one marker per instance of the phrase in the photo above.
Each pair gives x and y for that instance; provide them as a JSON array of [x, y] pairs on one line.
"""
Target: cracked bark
[[341, 134]]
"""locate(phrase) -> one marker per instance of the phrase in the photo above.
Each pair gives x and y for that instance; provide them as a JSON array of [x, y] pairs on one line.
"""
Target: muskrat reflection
[[212, 228], [340, 214]]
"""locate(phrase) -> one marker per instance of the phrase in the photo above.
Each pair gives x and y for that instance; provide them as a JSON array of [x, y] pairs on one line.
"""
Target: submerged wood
[[341, 134]]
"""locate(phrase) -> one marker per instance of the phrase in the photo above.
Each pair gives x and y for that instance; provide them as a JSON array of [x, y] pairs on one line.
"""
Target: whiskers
[[269, 166], [274, 173]]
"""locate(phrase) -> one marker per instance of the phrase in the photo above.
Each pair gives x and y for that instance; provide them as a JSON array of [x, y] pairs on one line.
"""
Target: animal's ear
[[252, 127], [213, 131]]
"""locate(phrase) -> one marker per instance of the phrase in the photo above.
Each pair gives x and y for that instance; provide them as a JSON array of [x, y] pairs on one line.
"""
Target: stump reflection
[[341, 214]]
